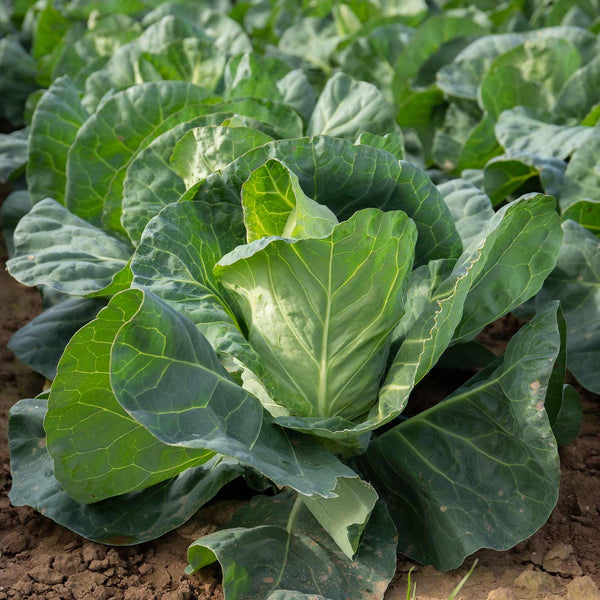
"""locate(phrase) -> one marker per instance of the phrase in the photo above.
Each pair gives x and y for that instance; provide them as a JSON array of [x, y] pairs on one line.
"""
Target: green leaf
[[130, 519], [470, 208], [505, 174], [345, 517], [271, 542], [479, 147], [347, 107], [17, 80], [346, 178], [109, 140], [586, 213], [204, 150], [57, 119], [575, 282], [529, 75], [275, 205], [519, 131], [54, 247], [175, 260], [13, 154], [582, 177], [454, 308], [297, 92], [568, 421], [579, 94], [50, 28], [390, 142], [151, 183], [162, 366], [41, 342], [13, 209], [99, 451], [333, 367], [518, 263], [481, 468]]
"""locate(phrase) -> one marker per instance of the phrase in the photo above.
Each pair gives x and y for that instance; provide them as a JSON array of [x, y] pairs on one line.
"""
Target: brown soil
[[41, 560]]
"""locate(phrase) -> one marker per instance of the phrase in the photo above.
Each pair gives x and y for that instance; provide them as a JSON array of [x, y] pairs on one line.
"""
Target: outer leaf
[[175, 260], [575, 282], [505, 174], [99, 451], [519, 262], [346, 178], [580, 93], [582, 177], [13, 209], [54, 247], [130, 519], [481, 468], [586, 213], [151, 183], [349, 286], [13, 154], [433, 330], [529, 75], [390, 142], [520, 132], [163, 368], [41, 342], [273, 540], [348, 107], [470, 208], [17, 80], [204, 150], [275, 205], [110, 138], [568, 421], [56, 121], [345, 517]]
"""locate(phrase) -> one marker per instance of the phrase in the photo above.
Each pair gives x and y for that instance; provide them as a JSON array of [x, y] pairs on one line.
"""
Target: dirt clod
[[583, 588], [502, 594]]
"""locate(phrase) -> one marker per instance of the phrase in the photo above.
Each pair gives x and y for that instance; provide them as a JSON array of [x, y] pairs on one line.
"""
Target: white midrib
[[323, 367]]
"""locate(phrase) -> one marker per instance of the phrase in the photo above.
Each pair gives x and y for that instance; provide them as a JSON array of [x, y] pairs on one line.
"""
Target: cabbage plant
[[273, 325]]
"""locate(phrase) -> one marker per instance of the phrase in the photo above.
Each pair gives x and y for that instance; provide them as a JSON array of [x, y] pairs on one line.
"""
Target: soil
[[41, 560]]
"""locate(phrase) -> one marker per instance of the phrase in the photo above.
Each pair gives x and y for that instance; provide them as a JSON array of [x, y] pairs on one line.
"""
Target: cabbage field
[[257, 227]]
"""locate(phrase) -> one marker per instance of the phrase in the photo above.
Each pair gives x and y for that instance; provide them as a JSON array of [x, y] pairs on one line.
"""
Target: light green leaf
[[163, 367], [99, 451], [345, 517], [265, 553], [347, 107], [130, 519], [333, 367], [57, 119], [204, 150], [54, 247], [297, 92], [41, 342], [275, 205], [481, 468]]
